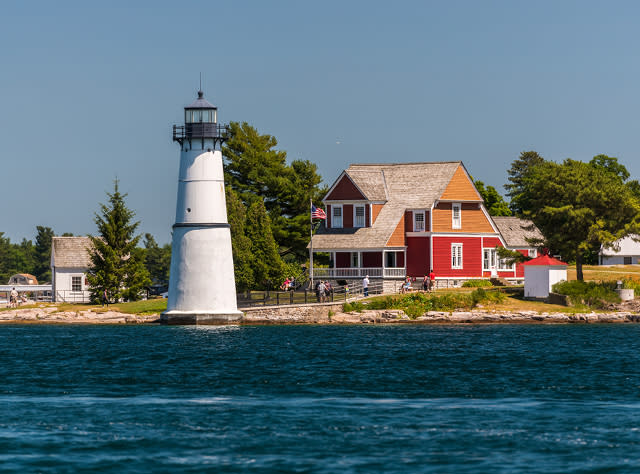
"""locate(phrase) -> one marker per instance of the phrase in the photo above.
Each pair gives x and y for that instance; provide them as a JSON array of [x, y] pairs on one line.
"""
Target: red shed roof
[[546, 261]]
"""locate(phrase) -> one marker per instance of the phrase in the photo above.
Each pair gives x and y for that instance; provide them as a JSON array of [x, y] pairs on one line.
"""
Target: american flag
[[317, 213]]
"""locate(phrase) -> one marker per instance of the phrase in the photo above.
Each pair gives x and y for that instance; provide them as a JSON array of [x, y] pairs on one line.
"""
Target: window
[[456, 216], [359, 216], [336, 216], [418, 221], [456, 255], [355, 261], [488, 259], [76, 283], [533, 253], [627, 261], [390, 259]]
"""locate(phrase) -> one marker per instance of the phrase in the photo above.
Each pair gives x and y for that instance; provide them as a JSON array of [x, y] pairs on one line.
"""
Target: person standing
[[432, 279], [365, 285], [105, 298], [425, 283], [13, 298]]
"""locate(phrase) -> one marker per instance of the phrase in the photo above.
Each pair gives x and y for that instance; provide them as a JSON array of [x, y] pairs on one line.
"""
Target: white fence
[[359, 272]]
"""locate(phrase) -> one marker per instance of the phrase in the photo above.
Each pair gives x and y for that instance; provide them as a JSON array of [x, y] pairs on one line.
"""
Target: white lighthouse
[[202, 287]]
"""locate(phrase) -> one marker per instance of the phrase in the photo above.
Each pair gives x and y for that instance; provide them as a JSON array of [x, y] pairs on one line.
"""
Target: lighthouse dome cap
[[201, 103]]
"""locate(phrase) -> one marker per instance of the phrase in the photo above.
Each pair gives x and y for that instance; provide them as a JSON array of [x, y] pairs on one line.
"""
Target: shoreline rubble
[[325, 314]]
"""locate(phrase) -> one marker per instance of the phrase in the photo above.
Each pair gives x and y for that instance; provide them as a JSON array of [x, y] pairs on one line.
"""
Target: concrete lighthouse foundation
[[202, 286]]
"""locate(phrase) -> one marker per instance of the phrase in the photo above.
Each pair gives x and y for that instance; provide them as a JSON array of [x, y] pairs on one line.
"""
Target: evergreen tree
[[117, 264], [267, 265], [257, 171], [157, 260], [579, 206], [495, 204], [520, 171], [43, 253], [240, 243]]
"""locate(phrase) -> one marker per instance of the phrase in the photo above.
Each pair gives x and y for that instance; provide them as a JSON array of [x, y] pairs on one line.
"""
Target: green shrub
[[631, 285], [477, 283], [588, 292]]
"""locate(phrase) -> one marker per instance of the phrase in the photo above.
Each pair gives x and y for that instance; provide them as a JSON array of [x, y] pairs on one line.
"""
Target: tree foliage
[[257, 171], [493, 201], [518, 174], [579, 206], [157, 260], [268, 268], [117, 263], [240, 243]]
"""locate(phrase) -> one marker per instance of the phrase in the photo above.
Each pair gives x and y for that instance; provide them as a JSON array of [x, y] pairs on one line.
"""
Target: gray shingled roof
[[516, 231], [403, 186], [201, 103], [71, 252]]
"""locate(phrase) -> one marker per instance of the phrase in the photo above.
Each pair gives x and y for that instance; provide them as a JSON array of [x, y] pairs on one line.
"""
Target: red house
[[389, 221]]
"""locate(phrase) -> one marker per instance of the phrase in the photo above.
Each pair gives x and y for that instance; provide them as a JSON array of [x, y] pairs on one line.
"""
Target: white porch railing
[[359, 272], [66, 296]]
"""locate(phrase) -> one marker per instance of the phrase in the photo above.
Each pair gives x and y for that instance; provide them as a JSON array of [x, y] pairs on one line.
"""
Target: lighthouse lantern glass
[[200, 116]]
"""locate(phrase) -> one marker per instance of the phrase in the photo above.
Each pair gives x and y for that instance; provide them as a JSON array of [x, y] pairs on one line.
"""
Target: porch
[[383, 263]]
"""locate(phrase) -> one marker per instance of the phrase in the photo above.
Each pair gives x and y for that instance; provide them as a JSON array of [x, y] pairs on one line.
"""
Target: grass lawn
[[154, 306]]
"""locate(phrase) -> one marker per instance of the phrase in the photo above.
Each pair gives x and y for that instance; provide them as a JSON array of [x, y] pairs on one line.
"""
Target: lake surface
[[470, 399]]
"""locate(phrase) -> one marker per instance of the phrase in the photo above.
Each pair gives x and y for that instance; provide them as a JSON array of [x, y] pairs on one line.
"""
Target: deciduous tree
[[493, 201]]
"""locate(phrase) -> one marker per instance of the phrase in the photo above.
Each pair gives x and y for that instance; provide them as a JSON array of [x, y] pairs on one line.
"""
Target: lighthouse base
[[190, 318]]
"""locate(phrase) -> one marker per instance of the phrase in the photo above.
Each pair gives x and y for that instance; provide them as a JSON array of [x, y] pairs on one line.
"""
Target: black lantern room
[[200, 123]]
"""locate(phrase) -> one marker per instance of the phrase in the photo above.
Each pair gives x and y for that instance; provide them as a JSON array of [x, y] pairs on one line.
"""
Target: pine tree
[[157, 260], [240, 243], [267, 265], [117, 262], [43, 253]]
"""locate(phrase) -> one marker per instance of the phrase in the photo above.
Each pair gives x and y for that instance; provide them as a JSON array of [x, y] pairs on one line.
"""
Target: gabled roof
[[71, 252], [402, 186], [516, 231], [545, 261], [626, 246]]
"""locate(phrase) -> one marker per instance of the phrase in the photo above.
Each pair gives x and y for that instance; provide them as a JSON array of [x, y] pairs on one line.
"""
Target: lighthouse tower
[[202, 288]]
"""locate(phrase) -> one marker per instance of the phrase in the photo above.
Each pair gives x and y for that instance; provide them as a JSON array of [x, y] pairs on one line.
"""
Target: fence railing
[[67, 296], [375, 272], [338, 294]]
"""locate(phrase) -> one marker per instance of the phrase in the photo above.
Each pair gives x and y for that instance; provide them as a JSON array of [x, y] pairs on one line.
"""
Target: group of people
[[15, 299], [427, 283], [288, 285], [324, 290]]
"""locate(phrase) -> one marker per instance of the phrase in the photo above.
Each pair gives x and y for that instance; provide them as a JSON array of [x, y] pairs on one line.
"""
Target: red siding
[[418, 256], [343, 259], [371, 259], [367, 222], [345, 190], [519, 267], [347, 216], [328, 217], [408, 221], [427, 221], [400, 259], [492, 242], [471, 257]]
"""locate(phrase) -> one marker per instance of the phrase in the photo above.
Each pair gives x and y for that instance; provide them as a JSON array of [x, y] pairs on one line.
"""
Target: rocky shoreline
[[324, 314]]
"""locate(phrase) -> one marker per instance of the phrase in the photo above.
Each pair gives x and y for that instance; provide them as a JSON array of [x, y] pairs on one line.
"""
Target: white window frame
[[394, 258], [456, 256], [355, 215], [415, 221], [74, 277], [456, 223], [492, 260], [333, 216]]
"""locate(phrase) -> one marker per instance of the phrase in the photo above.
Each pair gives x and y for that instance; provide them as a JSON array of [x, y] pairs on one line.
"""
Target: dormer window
[[418, 221], [359, 216], [336, 216], [456, 215]]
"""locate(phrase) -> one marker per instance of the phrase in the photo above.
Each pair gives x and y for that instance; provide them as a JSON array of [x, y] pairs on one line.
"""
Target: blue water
[[499, 398]]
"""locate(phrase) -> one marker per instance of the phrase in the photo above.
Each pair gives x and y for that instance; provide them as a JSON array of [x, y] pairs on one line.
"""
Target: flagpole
[[311, 242]]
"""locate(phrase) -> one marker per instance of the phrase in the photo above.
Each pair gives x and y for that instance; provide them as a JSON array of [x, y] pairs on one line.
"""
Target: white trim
[[462, 234], [377, 249], [422, 212], [355, 215], [456, 267], [454, 224], [333, 221], [431, 236], [346, 201], [344, 173]]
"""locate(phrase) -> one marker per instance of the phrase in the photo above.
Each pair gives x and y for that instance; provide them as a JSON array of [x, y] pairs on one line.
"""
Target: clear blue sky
[[89, 91]]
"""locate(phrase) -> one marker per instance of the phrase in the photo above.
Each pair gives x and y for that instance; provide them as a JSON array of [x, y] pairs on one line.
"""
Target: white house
[[69, 264], [540, 274], [625, 251]]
